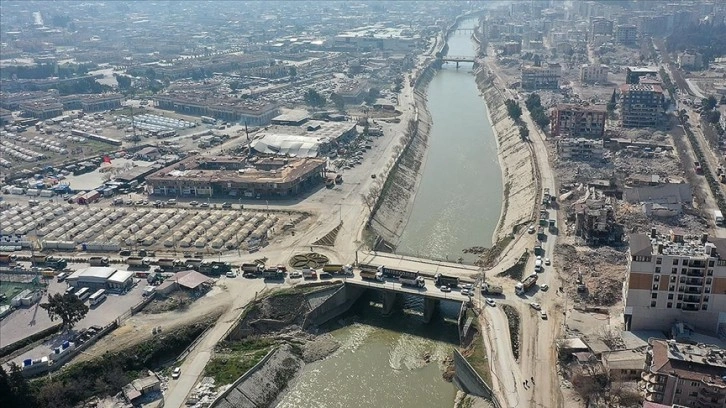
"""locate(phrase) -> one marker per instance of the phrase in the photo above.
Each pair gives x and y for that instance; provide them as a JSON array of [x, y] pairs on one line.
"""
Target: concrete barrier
[[469, 381], [337, 304]]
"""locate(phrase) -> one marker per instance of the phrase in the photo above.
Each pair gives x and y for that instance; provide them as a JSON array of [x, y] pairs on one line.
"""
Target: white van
[[538, 265]]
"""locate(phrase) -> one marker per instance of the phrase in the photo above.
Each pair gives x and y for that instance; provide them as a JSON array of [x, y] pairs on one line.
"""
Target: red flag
[[106, 159]]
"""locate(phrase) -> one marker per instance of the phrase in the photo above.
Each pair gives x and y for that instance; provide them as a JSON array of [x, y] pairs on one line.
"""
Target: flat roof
[[188, 169], [121, 276], [101, 272]]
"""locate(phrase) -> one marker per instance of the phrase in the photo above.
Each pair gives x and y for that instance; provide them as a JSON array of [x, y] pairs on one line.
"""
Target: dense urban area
[[257, 204]]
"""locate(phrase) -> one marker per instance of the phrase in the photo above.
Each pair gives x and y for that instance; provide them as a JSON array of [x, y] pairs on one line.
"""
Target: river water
[[397, 361], [393, 361], [459, 199]]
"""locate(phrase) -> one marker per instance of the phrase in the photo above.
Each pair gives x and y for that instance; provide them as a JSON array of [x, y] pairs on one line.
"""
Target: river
[[459, 199], [393, 361], [397, 361]]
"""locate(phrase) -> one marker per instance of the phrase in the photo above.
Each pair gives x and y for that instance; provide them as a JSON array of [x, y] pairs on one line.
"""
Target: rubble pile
[[635, 221], [597, 274]]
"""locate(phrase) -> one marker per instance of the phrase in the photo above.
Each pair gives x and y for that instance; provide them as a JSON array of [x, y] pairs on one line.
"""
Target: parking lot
[[26, 321]]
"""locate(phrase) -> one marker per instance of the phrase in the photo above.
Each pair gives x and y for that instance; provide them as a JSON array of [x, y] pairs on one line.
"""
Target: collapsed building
[[595, 222]]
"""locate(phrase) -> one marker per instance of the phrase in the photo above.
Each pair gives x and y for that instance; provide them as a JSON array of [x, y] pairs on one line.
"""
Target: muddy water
[[459, 199], [391, 361]]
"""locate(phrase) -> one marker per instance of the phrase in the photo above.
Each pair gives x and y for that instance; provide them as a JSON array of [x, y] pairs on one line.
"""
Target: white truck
[[522, 287], [718, 217]]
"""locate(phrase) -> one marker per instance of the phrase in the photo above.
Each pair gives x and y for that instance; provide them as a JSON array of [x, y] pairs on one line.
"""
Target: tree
[[15, 389], [524, 131], [338, 102], [314, 99], [234, 86], [67, 307], [124, 82], [372, 96], [713, 116], [709, 103], [513, 109], [292, 72]]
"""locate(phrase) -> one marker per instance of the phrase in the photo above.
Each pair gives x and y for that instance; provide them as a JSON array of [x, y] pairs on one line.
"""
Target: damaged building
[[595, 222], [660, 200]]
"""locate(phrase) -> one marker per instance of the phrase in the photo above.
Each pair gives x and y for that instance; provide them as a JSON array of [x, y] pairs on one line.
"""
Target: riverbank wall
[[516, 160], [389, 215]]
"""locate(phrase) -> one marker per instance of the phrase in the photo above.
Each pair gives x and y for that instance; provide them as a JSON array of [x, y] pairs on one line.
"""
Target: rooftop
[[691, 362], [677, 243], [624, 360], [235, 169], [102, 272]]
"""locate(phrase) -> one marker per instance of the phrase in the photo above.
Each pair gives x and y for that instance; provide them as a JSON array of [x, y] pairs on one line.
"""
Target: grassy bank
[[476, 354], [232, 359]]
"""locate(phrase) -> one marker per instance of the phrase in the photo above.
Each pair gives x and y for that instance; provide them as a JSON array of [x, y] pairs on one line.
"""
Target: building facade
[[579, 121], [626, 34], [690, 60], [545, 77], [641, 105], [593, 73], [580, 149], [226, 176], [676, 278], [684, 374], [633, 74]]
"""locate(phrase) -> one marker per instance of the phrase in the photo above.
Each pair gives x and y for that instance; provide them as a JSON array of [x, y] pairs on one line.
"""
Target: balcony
[[695, 272], [693, 282], [691, 299], [712, 393], [654, 388], [653, 397], [697, 263], [707, 403], [697, 290], [690, 307]]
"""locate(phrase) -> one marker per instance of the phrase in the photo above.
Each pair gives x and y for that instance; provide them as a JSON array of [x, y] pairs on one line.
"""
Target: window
[[657, 269], [674, 270], [680, 297], [693, 394], [673, 278], [656, 278], [711, 263], [704, 307], [693, 384], [708, 281], [678, 305], [654, 296], [670, 296], [658, 261], [652, 304], [684, 261], [671, 288], [669, 305], [705, 298], [655, 286], [709, 272], [675, 262], [679, 391], [684, 270]]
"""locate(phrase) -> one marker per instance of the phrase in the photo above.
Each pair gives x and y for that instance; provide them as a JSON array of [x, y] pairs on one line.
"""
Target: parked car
[[465, 292], [543, 314], [226, 205], [544, 288], [445, 288], [491, 302], [231, 274], [176, 373], [295, 275], [535, 306], [530, 229], [547, 261], [194, 203], [204, 205]]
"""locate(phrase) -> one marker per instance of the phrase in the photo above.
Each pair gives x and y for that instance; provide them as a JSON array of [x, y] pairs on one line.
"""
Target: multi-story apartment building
[[675, 278], [626, 34], [641, 105], [545, 77], [580, 149], [578, 121], [593, 73], [600, 26], [684, 375], [690, 59], [42, 109]]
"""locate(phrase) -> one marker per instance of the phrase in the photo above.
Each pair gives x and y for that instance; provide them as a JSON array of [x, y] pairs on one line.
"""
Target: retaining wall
[[469, 381], [338, 303], [223, 396]]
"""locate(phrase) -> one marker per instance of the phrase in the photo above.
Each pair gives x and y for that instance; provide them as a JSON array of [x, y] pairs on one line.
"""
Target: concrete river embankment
[[449, 189], [457, 193]]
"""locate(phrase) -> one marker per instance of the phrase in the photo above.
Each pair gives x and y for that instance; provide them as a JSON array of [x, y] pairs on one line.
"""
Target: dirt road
[[537, 355]]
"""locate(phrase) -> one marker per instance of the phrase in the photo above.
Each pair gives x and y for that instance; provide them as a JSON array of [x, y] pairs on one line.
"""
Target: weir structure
[[456, 59]]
